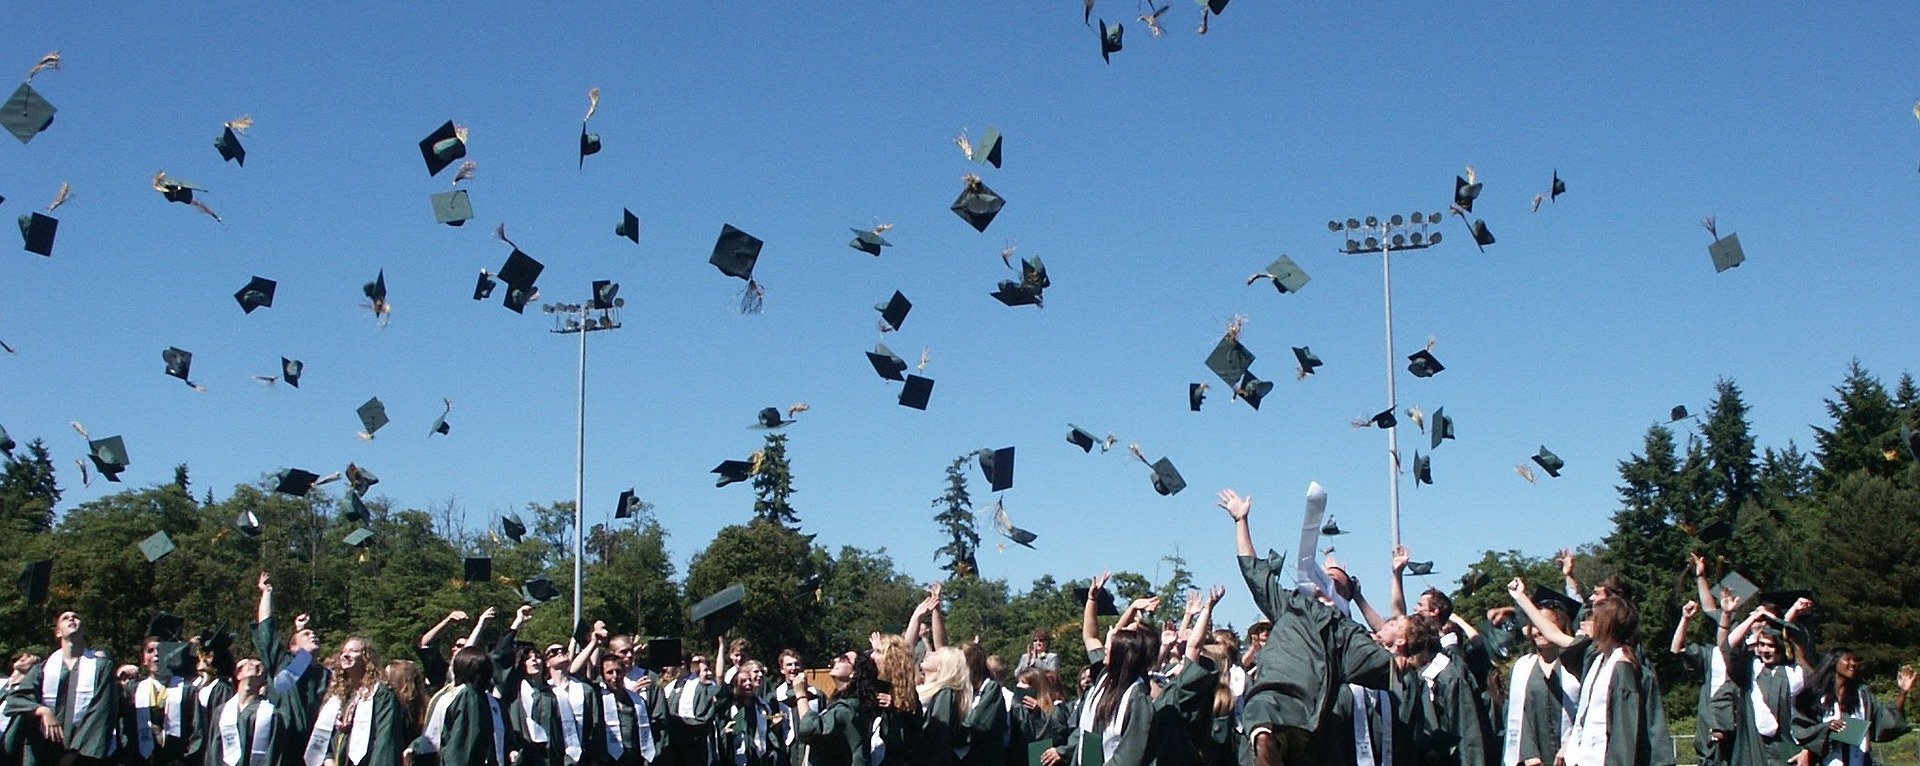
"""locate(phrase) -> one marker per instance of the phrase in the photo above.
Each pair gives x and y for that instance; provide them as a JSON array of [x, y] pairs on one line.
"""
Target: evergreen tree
[[631, 584], [28, 493], [773, 485], [1173, 591], [1646, 548], [180, 478], [1865, 430], [1868, 553], [1729, 451], [956, 521]]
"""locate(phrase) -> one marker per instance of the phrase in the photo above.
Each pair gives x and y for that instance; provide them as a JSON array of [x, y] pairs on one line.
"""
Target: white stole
[[1366, 700], [573, 701], [610, 715], [359, 739], [230, 732], [437, 723], [1589, 734], [143, 711], [754, 742], [1517, 687], [536, 733], [1110, 737], [1850, 755], [1432, 670], [55, 668]]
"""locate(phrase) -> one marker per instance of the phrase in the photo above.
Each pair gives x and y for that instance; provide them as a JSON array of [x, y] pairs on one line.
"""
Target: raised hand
[[1214, 596], [522, 615], [1400, 558], [1728, 602], [1904, 681], [457, 616], [1565, 560], [300, 621], [266, 582], [1100, 580], [1516, 588], [1689, 609], [1237, 507], [1699, 565], [484, 615]]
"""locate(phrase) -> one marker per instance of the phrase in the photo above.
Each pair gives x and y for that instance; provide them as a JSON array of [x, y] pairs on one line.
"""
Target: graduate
[[532, 713], [1453, 727], [211, 688], [898, 696], [578, 738], [1124, 722], [693, 702], [627, 727], [432, 663], [1711, 741], [1543, 694], [68, 704], [946, 693], [1837, 718], [359, 722], [164, 707], [838, 731], [747, 734], [1767, 666], [411, 697], [466, 726], [296, 678], [1620, 720], [781, 696], [1312, 649], [242, 731], [986, 727], [13, 733]]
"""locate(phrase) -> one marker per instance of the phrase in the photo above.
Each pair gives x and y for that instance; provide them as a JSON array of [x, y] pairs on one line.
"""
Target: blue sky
[[1151, 187]]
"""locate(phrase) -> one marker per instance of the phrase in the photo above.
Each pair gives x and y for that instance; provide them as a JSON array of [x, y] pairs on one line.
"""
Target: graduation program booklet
[[1854, 733]]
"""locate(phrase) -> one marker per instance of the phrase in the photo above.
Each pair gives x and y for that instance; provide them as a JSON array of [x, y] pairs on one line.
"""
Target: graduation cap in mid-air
[[37, 232], [258, 294], [296, 482], [1112, 39], [1725, 251], [167, 627], [1423, 364], [1422, 469], [521, 274], [1004, 525], [1381, 419], [589, 142], [1196, 395], [483, 288], [373, 415], [477, 569], [1738, 585], [1308, 361], [997, 466], [733, 471], [627, 505], [1677, 414], [360, 479], [6, 442], [109, 456], [157, 546], [886, 364], [916, 392], [26, 113], [248, 523], [538, 590], [1230, 360], [228, 144], [629, 226], [442, 147], [179, 363], [356, 509], [359, 538], [1030, 290], [1104, 602], [719, 612], [977, 204], [1442, 428], [1331, 527], [1251, 390], [1082, 438], [1166, 479], [1719, 530], [893, 313], [662, 653], [1287, 276], [1549, 462], [513, 527], [1482, 236], [34, 579], [988, 150], [1421, 568], [440, 424], [453, 208], [1466, 189], [735, 253], [290, 370], [869, 241]]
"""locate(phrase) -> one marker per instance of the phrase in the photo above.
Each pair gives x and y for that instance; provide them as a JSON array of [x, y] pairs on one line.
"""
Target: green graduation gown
[[209, 698], [839, 735], [1548, 701], [986, 727], [93, 730], [468, 736], [387, 734], [1774, 686], [295, 696], [1155, 732], [243, 730], [1884, 724], [1454, 727], [1637, 733], [1313, 649], [939, 733]]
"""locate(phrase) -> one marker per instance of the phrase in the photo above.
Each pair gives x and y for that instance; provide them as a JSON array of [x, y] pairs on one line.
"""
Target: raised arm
[[1700, 584], [1203, 623], [433, 633], [589, 655], [473, 637], [1793, 631], [1239, 508], [1678, 644], [265, 610], [1374, 620], [1517, 590], [1728, 639], [1565, 560], [938, 617], [1090, 613], [919, 614], [1131, 614], [1467, 631], [1399, 600]]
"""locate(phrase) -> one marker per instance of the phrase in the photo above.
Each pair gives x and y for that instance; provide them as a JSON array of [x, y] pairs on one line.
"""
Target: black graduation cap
[[442, 147], [1111, 39], [1017, 535], [477, 569], [513, 527], [37, 231], [1465, 193], [1677, 414], [290, 370], [1442, 428], [247, 523], [1216, 6], [626, 505], [1422, 469], [166, 626], [360, 479], [356, 508], [997, 466], [376, 291], [1331, 527], [977, 204], [629, 226], [229, 146], [916, 392], [1166, 478], [1549, 462], [606, 295], [157, 546], [26, 113], [589, 143], [1382, 419], [769, 417], [1196, 394], [109, 456], [373, 415], [296, 482], [868, 241], [1308, 361], [1481, 235], [1471, 581], [1251, 390], [1726, 252], [1230, 360], [887, 364], [893, 313], [6, 442], [1559, 187], [214, 640], [538, 590], [1080, 437], [1104, 604], [988, 150], [258, 294], [440, 425], [34, 579], [1287, 276], [1422, 568], [483, 288], [732, 471], [1423, 364], [1549, 599], [453, 208], [735, 252], [662, 653], [1719, 530], [520, 273], [179, 363], [1015, 294], [719, 612]]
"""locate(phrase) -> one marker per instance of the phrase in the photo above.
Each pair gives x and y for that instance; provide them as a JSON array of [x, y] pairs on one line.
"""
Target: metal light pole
[[1385, 237], [578, 318]]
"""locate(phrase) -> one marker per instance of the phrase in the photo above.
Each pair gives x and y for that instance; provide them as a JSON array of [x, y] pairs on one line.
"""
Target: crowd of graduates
[[1558, 678]]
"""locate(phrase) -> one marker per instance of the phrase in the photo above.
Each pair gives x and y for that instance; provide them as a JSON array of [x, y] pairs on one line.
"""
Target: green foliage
[[28, 493], [956, 521], [1865, 430], [773, 485], [770, 559], [1867, 548]]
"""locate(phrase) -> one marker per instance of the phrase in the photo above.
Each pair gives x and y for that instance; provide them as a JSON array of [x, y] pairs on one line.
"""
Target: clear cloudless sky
[[1151, 187]]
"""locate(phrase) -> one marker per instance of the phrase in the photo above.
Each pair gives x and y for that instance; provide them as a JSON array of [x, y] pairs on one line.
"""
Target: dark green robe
[[1637, 733], [740, 738], [1540, 729], [1884, 724], [1775, 686], [295, 705], [1453, 726], [210, 698], [467, 732], [839, 735], [387, 738], [690, 741], [939, 733], [243, 725], [1032, 725], [99, 728], [1166, 738], [985, 727], [1312, 651]]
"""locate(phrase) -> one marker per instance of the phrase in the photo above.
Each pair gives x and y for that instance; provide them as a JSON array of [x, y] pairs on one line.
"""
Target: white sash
[[1432, 670], [610, 715], [1850, 755], [1589, 734], [754, 742], [284, 680], [437, 717], [55, 667], [1764, 721], [875, 743], [230, 732], [573, 701], [689, 691], [536, 733], [322, 735], [1362, 727], [1517, 687], [1109, 738], [1716, 670]]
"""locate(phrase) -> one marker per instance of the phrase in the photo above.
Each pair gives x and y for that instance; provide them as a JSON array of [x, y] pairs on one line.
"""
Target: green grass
[[1904, 751]]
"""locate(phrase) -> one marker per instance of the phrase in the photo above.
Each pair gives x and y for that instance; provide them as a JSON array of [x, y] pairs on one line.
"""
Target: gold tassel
[[85, 479], [1525, 473], [1471, 177], [593, 102], [82, 430], [49, 61], [759, 460], [240, 125], [966, 147], [797, 408], [926, 355], [1135, 449], [1233, 327], [1418, 417], [460, 132], [65, 193]]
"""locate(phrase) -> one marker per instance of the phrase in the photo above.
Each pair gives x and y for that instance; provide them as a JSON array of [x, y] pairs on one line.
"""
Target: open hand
[[50, 726], [1400, 558], [1699, 565], [485, 615], [1237, 507]]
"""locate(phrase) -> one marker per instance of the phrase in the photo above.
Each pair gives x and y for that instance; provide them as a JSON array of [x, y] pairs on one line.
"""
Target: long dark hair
[[1130, 655], [864, 686], [472, 667], [1823, 689]]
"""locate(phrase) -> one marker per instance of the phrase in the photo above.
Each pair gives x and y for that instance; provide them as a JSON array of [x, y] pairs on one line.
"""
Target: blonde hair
[[1222, 692], [950, 673], [898, 676], [371, 670], [409, 687]]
